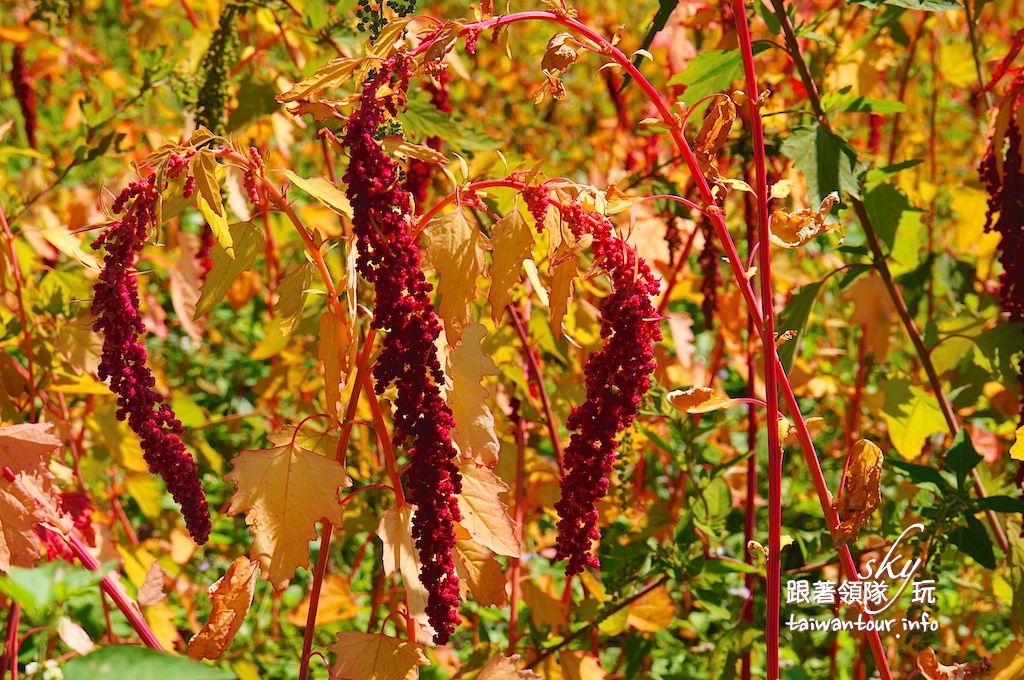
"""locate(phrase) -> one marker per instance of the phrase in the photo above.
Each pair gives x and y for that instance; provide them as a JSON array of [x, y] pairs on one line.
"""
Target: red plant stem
[[519, 511], [380, 426], [11, 646], [881, 266], [190, 13], [773, 583], [538, 379], [113, 588], [717, 216], [327, 532], [12, 254], [750, 507]]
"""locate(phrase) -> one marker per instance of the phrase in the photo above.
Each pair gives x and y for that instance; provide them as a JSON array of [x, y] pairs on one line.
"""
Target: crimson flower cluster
[[1006, 206], [616, 377], [417, 176], [389, 258], [123, 361], [24, 93]]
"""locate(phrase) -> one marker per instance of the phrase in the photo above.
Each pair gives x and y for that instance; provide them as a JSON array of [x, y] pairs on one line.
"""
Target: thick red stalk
[[773, 583]]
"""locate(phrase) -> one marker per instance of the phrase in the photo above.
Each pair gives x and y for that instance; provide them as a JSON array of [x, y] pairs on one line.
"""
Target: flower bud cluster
[[123, 360], [616, 377], [389, 258]]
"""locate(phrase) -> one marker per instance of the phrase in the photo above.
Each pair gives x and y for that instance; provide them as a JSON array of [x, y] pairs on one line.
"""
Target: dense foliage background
[[249, 346]]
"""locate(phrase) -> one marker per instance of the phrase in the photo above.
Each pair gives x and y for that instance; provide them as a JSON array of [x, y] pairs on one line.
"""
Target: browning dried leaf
[[713, 134], [861, 493], [792, 230], [933, 670], [231, 597]]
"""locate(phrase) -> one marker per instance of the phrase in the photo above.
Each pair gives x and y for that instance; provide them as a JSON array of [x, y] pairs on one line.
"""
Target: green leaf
[[139, 663], [845, 101], [249, 241], [709, 72], [255, 100], [423, 117], [291, 296], [1001, 504], [973, 540], [922, 5], [828, 163], [961, 457], [898, 225], [922, 474], [912, 416], [794, 317]]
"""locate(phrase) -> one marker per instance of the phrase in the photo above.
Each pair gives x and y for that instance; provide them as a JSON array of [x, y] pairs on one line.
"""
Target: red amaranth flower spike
[[1003, 175], [616, 377], [24, 93], [389, 258], [123, 361]]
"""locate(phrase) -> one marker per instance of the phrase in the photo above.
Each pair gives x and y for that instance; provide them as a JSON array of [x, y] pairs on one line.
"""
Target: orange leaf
[[477, 568], [506, 668], [231, 597], [284, 491], [366, 656], [335, 604], [861, 493]]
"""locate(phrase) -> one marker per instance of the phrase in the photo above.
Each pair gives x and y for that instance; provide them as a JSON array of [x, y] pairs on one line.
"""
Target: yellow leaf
[[284, 492], [782, 188], [204, 167], [335, 604], [147, 491], [546, 608], [160, 618], [1017, 449], [456, 251], [698, 400], [384, 45], [484, 516], [231, 597], [482, 574], [467, 398], [511, 240], [563, 271], [1009, 663], [249, 241], [399, 554], [506, 668], [323, 190], [71, 245], [579, 665], [366, 656], [400, 146], [333, 74], [291, 296], [874, 310], [653, 612], [956, 64], [861, 492], [333, 350]]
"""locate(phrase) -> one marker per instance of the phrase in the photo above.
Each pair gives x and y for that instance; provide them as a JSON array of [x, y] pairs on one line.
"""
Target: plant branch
[[882, 267]]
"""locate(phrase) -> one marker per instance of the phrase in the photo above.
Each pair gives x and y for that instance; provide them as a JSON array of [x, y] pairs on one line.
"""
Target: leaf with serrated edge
[[369, 656], [231, 597], [333, 350], [456, 251], [484, 516], [479, 570], [284, 492], [511, 240], [334, 73], [468, 399], [291, 296]]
